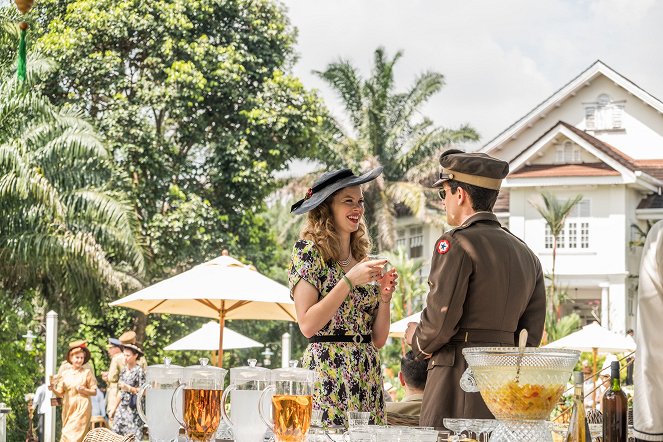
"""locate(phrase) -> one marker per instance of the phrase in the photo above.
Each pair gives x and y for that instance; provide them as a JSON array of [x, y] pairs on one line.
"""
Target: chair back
[[404, 420], [106, 435]]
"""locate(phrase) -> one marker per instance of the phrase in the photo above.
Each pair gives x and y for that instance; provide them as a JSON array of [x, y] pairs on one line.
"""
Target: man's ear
[[400, 378]]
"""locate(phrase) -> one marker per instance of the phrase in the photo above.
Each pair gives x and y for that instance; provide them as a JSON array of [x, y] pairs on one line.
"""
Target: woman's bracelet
[[347, 281]]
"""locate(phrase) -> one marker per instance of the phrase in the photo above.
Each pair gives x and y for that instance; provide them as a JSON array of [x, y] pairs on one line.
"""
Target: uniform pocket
[[445, 357]]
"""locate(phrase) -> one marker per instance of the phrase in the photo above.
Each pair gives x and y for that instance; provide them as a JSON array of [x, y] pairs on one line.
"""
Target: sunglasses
[[442, 193]]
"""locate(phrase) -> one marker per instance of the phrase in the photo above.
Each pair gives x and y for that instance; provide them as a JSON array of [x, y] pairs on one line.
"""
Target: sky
[[499, 58]]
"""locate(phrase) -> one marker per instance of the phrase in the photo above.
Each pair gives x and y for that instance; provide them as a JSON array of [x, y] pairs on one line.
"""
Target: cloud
[[500, 59]]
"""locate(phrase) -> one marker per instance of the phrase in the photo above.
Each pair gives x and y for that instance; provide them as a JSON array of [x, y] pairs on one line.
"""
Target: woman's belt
[[356, 338]]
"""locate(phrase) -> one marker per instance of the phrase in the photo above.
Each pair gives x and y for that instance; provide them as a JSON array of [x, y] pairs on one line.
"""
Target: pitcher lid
[[293, 373], [164, 373], [203, 371], [251, 372]]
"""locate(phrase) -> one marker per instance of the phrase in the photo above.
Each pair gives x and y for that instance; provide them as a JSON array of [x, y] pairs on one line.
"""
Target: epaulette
[[455, 229]]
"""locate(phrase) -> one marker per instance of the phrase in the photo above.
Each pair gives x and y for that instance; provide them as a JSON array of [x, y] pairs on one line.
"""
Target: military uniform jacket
[[485, 286]]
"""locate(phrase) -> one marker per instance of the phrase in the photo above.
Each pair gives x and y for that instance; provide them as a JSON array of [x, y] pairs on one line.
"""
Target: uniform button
[[433, 364]]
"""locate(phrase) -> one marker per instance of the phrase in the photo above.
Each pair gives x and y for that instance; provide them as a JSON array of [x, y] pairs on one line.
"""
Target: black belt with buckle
[[356, 338]]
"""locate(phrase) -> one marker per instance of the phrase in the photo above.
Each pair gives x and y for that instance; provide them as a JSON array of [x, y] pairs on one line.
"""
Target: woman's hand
[[366, 271], [388, 283]]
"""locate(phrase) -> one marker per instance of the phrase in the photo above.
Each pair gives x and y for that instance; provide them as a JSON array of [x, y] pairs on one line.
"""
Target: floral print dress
[[349, 374], [126, 420]]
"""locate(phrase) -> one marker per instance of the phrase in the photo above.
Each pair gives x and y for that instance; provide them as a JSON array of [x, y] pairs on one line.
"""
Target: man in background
[[413, 378], [112, 376], [40, 404]]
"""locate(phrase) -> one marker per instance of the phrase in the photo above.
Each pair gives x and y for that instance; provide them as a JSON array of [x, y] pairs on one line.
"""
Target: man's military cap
[[477, 169]]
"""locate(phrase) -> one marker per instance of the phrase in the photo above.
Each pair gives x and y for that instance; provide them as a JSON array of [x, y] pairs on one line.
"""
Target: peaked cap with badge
[[477, 169], [328, 183]]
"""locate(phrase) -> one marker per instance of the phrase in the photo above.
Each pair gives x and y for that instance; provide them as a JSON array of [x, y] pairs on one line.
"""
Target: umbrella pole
[[221, 325], [594, 357]]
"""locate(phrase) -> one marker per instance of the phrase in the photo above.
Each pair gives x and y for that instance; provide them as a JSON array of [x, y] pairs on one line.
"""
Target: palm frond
[[411, 195], [344, 78]]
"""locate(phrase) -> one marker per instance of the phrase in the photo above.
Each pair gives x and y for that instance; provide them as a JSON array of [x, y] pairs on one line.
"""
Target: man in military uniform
[[486, 286], [112, 376]]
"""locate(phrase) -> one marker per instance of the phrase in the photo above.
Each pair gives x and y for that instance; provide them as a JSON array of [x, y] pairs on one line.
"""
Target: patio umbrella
[[397, 329], [596, 339], [222, 288], [207, 338]]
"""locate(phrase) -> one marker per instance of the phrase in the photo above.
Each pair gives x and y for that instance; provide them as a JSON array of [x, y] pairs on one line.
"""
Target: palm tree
[[65, 228], [387, 129], [554, 212]]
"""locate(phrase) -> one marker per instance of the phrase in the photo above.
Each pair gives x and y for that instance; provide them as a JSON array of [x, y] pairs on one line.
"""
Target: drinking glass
[[384, 267], [358, 419], [359, 435]]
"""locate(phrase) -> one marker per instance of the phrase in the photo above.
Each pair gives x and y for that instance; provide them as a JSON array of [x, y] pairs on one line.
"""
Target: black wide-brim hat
[[328, 183]]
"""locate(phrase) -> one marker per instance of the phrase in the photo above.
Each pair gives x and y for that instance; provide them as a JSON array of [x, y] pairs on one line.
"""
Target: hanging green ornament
[[24, 7], [22, 64]]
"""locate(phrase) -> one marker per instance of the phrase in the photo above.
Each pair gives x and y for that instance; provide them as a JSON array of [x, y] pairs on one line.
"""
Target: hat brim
[[443, 178], [319, 197], [134, 348]]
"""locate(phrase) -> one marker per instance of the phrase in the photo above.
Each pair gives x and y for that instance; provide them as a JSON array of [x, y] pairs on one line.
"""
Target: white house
[[600, 136]]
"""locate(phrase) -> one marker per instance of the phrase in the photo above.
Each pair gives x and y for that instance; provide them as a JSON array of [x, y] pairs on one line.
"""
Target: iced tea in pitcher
[[292, 417]]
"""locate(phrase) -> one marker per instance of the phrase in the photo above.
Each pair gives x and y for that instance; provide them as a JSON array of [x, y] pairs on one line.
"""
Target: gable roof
[[597, 68], [611, 160]]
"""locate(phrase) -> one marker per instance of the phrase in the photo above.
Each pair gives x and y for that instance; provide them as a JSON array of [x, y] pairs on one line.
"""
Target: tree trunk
[[140, 325]]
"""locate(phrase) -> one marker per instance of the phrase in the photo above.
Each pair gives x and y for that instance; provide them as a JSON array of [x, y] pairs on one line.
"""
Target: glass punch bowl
[[544, 374]]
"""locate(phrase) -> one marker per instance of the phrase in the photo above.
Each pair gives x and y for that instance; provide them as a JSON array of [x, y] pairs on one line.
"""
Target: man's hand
[[409, 332]]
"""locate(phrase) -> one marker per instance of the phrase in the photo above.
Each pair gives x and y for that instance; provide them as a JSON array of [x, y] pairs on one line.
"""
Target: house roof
[[558, 170], [597, 69], [614, 162], [502, 203], [653, 201]]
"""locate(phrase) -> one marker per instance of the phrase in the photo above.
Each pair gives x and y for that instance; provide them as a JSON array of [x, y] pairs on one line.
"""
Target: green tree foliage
[[386, 128], [65, 229], [191, 93], [19, 368]]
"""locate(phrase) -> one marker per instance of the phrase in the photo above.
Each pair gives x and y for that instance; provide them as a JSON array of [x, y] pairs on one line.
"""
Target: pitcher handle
[[224, 397], [172, 404], [271, 388], [139, 401]]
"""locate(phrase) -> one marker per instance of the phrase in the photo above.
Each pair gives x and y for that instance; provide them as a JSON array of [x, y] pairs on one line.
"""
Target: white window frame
[[576, 234]]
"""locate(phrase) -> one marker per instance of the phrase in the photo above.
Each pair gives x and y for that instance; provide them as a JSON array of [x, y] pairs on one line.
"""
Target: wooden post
[[221, 325]]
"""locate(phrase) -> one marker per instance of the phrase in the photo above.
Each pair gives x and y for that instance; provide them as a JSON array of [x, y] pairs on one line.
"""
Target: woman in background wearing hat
[[124, 413], [76, 384], [345, 318]]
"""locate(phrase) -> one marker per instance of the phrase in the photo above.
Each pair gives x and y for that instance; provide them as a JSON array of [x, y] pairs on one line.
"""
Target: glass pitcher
[[161, 382], [246, 384], [203, 387], [292, 403]]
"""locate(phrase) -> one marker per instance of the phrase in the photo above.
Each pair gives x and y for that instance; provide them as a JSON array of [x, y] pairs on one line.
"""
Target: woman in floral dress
[[124, 412], [345, 318]]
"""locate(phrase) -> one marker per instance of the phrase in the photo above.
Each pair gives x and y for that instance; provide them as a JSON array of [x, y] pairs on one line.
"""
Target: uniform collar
[[417, 397], [479, 216]]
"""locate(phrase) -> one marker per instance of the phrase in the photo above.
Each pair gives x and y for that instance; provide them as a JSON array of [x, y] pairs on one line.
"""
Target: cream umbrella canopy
[[595, 338], [222, 288], [207, 338], [397, 329]]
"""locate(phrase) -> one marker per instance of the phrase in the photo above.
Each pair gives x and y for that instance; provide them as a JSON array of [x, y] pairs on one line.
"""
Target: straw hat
[[135, 348], [77, 347]]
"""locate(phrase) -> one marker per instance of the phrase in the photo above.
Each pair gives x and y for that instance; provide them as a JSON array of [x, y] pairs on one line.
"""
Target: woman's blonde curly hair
[[319, 228]]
